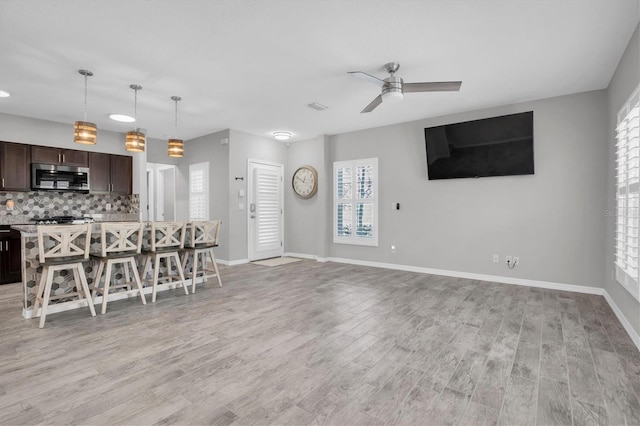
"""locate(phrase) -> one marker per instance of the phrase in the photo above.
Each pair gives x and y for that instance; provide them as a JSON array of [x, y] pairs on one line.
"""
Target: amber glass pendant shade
[[85, 133], [176, 148], [135, 141]]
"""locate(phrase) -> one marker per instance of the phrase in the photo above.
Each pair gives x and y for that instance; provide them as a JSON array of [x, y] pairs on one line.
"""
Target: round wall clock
[[305, 182]]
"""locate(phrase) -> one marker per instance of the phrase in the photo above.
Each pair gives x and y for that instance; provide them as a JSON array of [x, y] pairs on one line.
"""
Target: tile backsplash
[[28, 205]]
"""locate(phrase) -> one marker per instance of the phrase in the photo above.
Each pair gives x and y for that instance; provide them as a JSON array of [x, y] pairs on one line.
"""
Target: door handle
[[253, 216], [252, 207]]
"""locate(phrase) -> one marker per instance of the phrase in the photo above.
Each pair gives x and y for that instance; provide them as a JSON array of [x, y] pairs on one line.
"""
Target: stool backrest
[[55, 241], [167, 235], [118, 237], [204, 233]]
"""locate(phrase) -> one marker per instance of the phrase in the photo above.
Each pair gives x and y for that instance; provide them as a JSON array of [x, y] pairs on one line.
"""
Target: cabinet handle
[[59, 158], [3, 182], [63, 160], [5, 230]]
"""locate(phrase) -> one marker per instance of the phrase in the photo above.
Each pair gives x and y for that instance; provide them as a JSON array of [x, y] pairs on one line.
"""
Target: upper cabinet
[[14, 167], [68, 157], [110, 173]]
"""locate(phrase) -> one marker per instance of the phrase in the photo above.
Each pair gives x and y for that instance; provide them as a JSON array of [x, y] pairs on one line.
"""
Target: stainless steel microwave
[[55, 177]]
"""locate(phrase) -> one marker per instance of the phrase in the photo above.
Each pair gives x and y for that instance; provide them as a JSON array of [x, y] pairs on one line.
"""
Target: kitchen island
[[63, 283]]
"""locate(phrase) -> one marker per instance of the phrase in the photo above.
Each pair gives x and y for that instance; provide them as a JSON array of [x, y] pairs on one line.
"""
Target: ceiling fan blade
[[374, 103], [439, 86], [366, 77]]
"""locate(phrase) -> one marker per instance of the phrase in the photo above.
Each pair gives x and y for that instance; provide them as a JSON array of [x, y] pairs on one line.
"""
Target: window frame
[[353, 239], [204, 166], [624, 185]]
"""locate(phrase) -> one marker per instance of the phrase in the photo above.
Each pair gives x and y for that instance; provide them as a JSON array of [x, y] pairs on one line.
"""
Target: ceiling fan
[[394, 88]]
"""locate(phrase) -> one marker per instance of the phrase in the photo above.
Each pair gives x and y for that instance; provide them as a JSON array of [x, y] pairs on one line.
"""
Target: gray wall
[[307, 230], [624, 81], [552, 220], [244, 146], [199, 150]]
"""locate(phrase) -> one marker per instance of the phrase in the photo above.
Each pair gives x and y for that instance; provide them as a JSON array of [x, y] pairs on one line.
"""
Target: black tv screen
[[497, 146]]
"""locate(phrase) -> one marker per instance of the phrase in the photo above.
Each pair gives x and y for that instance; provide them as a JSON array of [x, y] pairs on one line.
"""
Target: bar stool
[[167, 240], [204, 238], [120, 243], [60, 248]]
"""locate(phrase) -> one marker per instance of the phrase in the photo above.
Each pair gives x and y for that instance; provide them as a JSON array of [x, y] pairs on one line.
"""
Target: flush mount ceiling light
[[135, 140], [317, 106], [84, 132], [176, 146], [282, 136], [123, 118], [4, 94]]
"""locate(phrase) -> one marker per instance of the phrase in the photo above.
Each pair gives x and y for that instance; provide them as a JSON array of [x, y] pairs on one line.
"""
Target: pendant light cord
[[175, 129], [85, 97]]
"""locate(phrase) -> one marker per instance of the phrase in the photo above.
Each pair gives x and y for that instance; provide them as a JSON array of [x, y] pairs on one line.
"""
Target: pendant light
[[176, 146], [85, 132], [135, 140]]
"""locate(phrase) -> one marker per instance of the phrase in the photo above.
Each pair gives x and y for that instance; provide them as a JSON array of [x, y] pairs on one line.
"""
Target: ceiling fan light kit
[[393, 88]]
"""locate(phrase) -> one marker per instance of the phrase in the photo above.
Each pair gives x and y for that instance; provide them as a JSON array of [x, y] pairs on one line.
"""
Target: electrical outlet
[[393, 249], [516, 260], [509, 259], [496, 258]]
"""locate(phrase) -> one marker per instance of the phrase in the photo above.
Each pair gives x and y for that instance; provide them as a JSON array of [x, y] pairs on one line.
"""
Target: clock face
[[305, 182]]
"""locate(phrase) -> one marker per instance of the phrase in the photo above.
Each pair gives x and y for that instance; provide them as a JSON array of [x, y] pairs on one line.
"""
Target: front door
[[265, 224]]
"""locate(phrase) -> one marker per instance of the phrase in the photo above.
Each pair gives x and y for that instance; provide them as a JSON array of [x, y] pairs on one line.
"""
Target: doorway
[[161, 190], [265, 212]]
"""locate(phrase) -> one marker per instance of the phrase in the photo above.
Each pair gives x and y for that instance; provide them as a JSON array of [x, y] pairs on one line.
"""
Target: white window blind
[[628, 194], [199, 191], [355, 201]]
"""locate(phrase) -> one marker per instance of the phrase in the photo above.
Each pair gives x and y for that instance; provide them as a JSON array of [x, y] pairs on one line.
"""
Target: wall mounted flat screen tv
[[497, 146]]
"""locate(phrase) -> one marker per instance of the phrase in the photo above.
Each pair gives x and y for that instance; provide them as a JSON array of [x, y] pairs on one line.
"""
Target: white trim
[[635, 337], [232, 262], [623, 320], [301, 255]]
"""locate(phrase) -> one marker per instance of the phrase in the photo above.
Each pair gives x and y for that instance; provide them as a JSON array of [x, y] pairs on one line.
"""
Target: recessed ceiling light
[[123, 118], [4, 94], [282, 136]]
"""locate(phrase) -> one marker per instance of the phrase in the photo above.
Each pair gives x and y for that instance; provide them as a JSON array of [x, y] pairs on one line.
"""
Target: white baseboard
[[635, 337], [232, 262], [306, 256], [623, 320]]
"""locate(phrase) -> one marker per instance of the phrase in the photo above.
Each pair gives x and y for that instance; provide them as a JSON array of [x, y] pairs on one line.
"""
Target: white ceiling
[[255, 65]]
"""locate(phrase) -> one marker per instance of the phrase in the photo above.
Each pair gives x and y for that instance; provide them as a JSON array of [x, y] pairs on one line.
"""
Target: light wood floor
[[324, 343]]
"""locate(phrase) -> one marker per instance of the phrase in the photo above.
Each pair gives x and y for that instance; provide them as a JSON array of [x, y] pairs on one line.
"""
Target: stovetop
[[67, 220]]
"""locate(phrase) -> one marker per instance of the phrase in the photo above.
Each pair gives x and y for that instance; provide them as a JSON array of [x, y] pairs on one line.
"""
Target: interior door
[[265, 224]]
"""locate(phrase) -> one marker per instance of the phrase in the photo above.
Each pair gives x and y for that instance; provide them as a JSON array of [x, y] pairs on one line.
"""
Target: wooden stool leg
[[127, 278], [85, 288], [105, 290], [40, 292], [46, 296], [215, 266], [76, 280], [194, 271], [96, 281], [156, 273], [180, 271], [136, 277]]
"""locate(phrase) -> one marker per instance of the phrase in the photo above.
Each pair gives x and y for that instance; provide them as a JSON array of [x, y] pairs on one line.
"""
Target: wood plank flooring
[[324, 344]]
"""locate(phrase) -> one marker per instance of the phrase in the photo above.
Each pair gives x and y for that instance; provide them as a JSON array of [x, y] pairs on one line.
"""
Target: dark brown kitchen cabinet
[[14, 167], [111, 173], [68, 157], [10, 256]]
